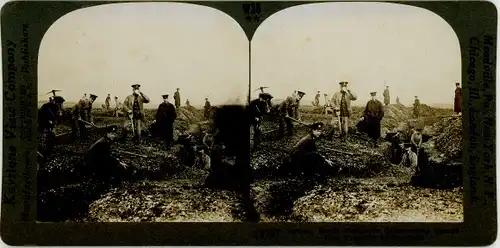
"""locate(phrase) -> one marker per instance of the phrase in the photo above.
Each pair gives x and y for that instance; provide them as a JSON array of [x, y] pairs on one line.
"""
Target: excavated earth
[[368, 187]]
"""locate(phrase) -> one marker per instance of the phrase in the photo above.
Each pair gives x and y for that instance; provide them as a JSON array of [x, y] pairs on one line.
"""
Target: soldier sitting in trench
[[101, 164], [305, 160]]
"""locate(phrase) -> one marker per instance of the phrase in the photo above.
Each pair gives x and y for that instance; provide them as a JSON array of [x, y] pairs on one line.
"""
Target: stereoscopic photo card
[[249, 123]]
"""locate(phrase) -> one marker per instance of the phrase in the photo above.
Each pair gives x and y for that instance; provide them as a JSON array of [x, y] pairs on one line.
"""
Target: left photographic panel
[[133, 106]]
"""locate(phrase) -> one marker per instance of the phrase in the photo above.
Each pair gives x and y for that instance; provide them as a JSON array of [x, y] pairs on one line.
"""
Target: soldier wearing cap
[[387, 96], [117, 106], [416, 107], [458, 99], [134, 110], [316, 99], [289, 108], [82, 112], [341, 102], [177, 98], [257, 108], [107, 102], [372, 115], [164, 120], [100, 163], [304, 155], [206, 109], [47, 117]]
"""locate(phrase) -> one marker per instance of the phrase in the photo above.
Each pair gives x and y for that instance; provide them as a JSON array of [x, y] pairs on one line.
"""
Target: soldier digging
[[82, 114], [289, 108], [416, 107], [305, 158], [164, 121], [316, 99], [47, 117], [108, 100], [341, 102], [206, 109], [257, 109], [387, 96], [373, 114], [458, 99], [134, 112], [177, 98], [100, 163]]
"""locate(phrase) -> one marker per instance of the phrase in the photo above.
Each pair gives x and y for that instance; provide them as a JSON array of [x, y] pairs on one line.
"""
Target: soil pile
[[448, 139], [377, 200], [394, 115], [174, 200]]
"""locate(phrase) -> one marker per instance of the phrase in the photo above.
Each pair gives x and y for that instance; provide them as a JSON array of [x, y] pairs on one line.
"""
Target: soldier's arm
[[125, 104], [145, 98], [352, 96]]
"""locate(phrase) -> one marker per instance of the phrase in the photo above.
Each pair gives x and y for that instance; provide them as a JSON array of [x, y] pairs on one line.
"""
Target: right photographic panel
[[357, 115]]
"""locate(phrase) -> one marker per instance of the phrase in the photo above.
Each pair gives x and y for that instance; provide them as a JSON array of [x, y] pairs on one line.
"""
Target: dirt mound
[[394, 114], [174, 200], [448, 139], [378, 200]]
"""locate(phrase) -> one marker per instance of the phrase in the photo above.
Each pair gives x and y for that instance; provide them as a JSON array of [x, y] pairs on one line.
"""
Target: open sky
[[162, 46], [204, 52], [311, 47]]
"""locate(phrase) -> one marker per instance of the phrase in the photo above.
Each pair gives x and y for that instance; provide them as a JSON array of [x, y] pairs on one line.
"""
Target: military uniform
[[134, 111], [304, 156], [177, 99], [82, 110], [289, 108], [108, 100], [341, 102], [457, 106], [416, 108], [373, 114], [387, 97], [100, 164], [165, 117], [257, 108], [316, 99], [206, 109], [47, 118]]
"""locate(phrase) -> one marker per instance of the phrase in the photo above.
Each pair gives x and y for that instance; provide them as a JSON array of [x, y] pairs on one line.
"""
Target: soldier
[[416, 108], [387, 97], [206, 108], [47, 117], [316, 99], [304, 155], [373, 114], [117, 106], [257, 108], [397, 101], [134, 111], [165, 117], [108, 100], [188, 104], [416, 139], [100, 163], [177, 98], [289, 108], [82, 112], [341, 102], [327, 104], [458, 99]]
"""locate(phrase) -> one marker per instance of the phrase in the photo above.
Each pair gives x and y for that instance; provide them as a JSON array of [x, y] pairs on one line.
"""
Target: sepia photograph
[[332, 112], [133, 104], [365, 120]]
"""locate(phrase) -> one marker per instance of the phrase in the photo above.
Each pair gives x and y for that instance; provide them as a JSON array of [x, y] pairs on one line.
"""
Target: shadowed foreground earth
[[368, 188]]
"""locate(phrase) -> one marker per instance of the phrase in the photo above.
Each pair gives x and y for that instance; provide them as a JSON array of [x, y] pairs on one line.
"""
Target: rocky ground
[[369, 188]]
